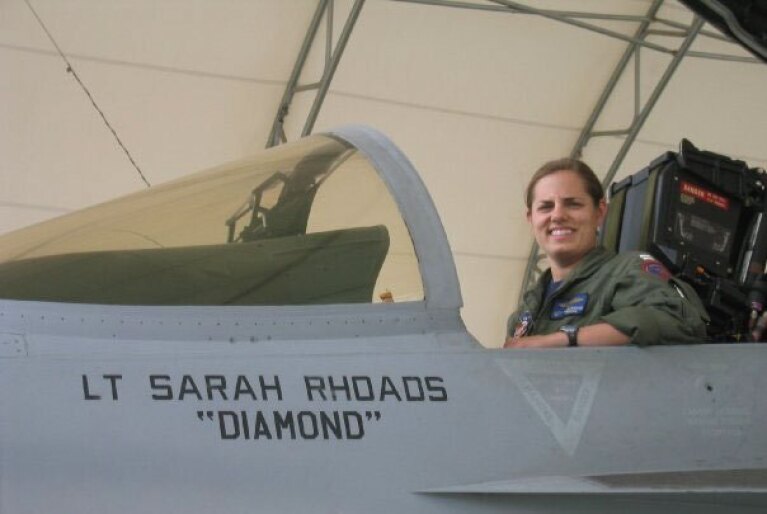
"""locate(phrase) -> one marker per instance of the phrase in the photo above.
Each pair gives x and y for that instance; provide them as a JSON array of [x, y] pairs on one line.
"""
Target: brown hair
[[580, 168]]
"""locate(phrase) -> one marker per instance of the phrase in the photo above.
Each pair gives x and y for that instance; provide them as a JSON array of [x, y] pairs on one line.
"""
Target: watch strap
[[572, 334]]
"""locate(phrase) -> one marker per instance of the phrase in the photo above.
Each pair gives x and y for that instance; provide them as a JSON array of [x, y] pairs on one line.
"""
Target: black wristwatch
[[572, 334]]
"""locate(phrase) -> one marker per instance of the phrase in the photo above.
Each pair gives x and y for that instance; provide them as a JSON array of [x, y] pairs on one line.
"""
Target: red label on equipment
[[705, 195]]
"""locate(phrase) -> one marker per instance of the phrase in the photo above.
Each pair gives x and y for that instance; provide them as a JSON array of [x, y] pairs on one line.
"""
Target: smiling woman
[[589, 296], [565, 206]]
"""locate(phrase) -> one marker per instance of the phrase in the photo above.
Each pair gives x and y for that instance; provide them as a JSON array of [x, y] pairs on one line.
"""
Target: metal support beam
[[331, 66], [505, 9], [321, 86], [708, 33], [580, 24], [639, 121], [641, 33], [532, 270], [277, 135], [573, 17], [724, 57]]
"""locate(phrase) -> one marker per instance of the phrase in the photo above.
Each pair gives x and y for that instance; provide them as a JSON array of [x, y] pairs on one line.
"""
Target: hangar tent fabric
[[100, 99]]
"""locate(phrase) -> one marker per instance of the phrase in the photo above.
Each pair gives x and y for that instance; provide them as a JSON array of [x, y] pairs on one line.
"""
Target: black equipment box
[[699, 213]]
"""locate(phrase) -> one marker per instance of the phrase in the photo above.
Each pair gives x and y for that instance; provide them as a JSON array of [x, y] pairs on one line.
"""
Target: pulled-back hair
[[580, 168]]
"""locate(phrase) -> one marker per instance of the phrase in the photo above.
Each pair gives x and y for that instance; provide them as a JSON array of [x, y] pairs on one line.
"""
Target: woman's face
[[564, 218]]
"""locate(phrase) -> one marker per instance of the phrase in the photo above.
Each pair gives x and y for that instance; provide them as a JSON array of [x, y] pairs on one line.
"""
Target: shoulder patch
[[652, 266]]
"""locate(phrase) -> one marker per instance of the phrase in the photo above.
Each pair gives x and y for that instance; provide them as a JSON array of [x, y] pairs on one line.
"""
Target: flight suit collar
[[591, 262]]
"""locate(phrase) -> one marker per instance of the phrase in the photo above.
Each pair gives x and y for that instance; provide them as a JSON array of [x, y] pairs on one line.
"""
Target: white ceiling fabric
[[477, 100]]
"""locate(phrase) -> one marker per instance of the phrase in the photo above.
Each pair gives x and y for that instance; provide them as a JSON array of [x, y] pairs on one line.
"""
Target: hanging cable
[[70, 69]]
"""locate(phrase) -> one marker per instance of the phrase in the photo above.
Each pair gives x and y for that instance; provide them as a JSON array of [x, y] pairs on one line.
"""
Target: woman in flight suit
[[591, 296]]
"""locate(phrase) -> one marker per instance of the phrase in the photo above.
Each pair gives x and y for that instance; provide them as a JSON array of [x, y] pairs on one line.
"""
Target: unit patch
[[652, 266], [574, 306]]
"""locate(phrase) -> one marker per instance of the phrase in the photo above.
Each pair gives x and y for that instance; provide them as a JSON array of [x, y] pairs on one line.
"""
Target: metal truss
[[576, 18], [649, 24], [320, 87]]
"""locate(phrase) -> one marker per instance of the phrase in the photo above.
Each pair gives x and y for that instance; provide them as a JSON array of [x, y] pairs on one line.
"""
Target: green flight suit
[[631, 291]]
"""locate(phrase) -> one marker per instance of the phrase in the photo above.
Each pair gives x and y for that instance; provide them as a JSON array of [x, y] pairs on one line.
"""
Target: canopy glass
[[305, 223]]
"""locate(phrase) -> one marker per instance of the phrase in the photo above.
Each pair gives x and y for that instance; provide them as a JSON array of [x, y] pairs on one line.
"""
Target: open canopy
[[309, 222]]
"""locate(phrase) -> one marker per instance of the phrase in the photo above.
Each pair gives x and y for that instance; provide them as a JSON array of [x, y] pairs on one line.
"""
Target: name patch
[[574, 306]]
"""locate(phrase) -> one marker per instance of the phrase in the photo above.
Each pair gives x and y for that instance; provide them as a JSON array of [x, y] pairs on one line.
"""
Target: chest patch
[[524, 325], [574, 306]]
